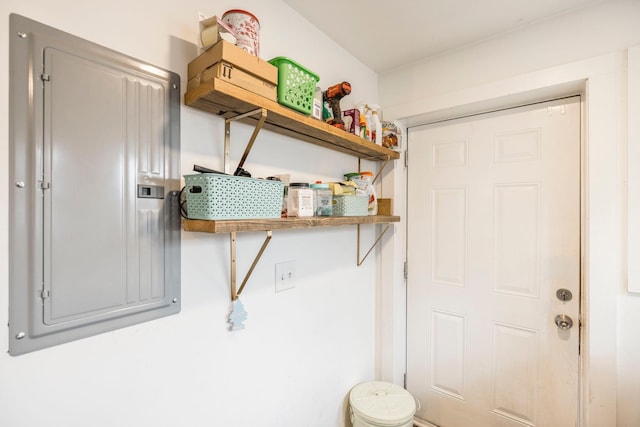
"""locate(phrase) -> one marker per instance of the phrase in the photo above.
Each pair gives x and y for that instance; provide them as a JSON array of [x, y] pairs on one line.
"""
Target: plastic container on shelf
[[296, 84], [246, 29], [300, 200], [365, 186], [375, 124], [391, 135], [351, 175], [367, 177], [365, 132], [323, 199]]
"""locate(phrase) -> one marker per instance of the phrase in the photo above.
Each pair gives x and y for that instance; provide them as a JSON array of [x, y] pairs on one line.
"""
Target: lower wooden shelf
[[268, 225], [240, 225]]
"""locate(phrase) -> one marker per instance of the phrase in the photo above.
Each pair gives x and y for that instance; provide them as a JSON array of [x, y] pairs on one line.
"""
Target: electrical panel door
[[96, 226]]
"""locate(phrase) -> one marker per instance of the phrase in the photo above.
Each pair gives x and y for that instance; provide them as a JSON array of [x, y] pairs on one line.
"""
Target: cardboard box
[[239, 58], [385, 207], [352, 121], [234, 75]]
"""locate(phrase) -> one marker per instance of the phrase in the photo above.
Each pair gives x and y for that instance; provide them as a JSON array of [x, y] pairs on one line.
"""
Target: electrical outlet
[[285, 275]]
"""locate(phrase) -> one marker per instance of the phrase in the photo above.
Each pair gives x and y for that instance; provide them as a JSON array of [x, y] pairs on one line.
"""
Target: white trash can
[[381, 404]]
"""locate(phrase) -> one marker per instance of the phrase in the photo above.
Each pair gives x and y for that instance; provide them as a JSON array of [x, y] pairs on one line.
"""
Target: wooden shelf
[[234, 103], [227, 100], [227, 226]]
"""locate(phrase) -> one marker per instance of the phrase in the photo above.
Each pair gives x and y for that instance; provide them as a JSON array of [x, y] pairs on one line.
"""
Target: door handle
[[563, 321]]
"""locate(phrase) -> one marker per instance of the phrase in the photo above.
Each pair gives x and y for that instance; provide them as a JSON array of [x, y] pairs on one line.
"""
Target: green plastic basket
[[296, 84], [214, 196]]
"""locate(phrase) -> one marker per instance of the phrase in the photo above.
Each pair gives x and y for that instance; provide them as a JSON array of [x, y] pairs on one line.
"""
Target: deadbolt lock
[[564, 294]]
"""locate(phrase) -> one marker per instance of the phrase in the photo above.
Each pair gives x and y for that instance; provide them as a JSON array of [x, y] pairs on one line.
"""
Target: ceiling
[[384, 37]]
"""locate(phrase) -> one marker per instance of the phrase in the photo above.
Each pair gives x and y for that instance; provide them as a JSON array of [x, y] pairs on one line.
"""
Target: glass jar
[[323, 199]]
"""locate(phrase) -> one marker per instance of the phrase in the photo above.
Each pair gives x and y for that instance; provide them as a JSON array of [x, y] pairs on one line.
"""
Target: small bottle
[[300, 200], [364, 128], [323, 199], [376, 126], [284, 212]]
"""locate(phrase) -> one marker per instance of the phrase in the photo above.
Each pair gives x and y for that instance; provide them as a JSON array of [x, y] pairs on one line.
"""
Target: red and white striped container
[[246, 28]]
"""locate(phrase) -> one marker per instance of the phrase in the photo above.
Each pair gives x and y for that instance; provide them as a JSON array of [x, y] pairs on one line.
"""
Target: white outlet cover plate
[[285, 276]]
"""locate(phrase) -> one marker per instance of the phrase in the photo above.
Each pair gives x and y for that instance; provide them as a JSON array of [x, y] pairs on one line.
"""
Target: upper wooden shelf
[[226, 226], [227, 100]]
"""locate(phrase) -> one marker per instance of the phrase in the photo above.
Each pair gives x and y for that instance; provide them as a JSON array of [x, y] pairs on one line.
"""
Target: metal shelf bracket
[[234, 293], [252, 139], [375, 178], [361, 261]]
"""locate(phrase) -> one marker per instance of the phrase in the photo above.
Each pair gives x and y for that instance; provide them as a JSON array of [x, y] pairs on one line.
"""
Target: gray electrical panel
[[94, 175]]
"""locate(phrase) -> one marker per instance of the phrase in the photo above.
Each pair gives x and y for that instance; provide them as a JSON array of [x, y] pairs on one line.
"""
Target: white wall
[[302, 350], [585, 50], [591, 32]]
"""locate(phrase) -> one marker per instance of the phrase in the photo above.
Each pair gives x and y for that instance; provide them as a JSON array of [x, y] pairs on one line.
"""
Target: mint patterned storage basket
[[217, 197], [350, 206]]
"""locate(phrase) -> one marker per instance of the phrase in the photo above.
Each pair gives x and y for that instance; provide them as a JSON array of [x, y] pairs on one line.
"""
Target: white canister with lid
[[300, 199], [246, 28]]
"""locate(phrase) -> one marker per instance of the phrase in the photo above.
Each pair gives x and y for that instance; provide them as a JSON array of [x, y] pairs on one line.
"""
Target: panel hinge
[[406, 270], [44, 294], [44, 185], [404, 380], [406, 158], [45, 77]]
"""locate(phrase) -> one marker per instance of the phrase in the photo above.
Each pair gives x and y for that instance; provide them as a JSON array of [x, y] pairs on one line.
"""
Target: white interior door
[[493, 234]]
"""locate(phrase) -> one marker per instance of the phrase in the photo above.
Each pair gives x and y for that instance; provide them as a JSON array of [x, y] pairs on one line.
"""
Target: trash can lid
[[383, 403]]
